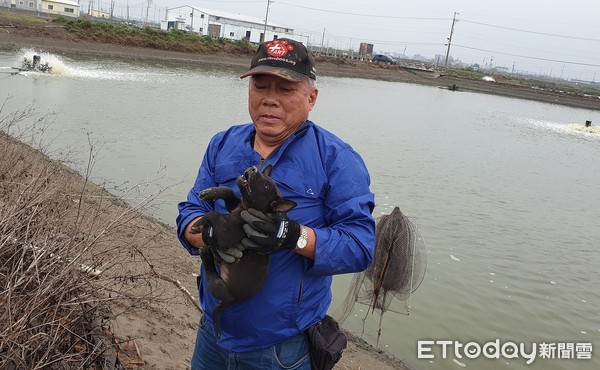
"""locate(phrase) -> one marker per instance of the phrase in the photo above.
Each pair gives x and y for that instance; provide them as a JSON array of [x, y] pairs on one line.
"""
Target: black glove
[[268, 233], [228, 255]]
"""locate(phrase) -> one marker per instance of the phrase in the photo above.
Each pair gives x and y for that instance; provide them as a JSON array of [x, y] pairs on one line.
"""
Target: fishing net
[[397, 270]]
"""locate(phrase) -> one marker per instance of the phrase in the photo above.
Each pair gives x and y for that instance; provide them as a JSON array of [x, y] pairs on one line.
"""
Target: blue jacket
[[330, 183]]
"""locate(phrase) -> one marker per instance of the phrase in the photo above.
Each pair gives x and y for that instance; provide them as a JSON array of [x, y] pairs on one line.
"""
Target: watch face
[[303, 239]]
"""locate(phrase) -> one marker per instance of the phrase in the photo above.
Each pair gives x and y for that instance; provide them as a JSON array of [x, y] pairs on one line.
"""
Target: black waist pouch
[[326, 342]]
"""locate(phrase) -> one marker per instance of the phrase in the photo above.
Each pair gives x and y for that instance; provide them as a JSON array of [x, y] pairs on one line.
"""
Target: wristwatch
[[303, 239]]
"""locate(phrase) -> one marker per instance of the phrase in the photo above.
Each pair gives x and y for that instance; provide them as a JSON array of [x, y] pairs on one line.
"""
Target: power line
[[499, 41], [528, 57], [233, 1], [362, 14], [533, 32], [388, 42]]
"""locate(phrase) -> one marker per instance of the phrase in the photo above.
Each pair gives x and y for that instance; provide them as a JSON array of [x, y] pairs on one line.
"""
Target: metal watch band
[[303, 239]]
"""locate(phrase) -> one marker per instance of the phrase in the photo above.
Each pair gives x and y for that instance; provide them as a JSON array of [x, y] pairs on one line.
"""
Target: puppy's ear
[[282, 205], [267, 171]]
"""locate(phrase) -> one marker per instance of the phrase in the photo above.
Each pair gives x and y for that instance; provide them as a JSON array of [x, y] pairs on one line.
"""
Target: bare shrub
[[63, 258]]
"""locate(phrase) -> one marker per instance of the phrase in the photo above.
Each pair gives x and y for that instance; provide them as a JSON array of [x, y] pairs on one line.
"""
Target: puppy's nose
[[249, 171]]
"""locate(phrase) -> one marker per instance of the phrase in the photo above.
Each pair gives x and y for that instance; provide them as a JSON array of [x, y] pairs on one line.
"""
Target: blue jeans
[[289, 354]]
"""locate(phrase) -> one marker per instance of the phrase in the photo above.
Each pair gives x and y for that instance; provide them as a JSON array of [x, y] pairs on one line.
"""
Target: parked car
[[380, 58]]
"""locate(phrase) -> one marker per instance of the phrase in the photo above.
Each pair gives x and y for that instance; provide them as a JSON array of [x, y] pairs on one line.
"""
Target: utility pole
[[112, 9], [264, 37], [322, 40], [148, 9], [192, 16], [450, 38]]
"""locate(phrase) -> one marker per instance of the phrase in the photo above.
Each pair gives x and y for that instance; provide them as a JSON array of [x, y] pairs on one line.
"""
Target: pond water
[[505, 192]]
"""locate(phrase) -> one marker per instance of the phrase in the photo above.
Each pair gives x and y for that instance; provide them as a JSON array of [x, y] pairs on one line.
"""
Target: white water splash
[[60, 67], [560, 127], [57, 65], [583, 128]]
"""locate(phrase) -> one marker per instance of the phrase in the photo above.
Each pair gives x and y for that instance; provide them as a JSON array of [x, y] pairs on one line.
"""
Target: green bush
[[178, 40], [121, 29], [84, 23], [104, 26], [465, 73], [60, 19]]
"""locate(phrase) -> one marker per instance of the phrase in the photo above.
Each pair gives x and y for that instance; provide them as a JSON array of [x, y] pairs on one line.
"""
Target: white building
[[25, 4], [216, 23], [68, 8], [102, 13]]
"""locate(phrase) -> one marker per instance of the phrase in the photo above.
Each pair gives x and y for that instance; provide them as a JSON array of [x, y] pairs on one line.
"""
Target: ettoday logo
[[505, 350]]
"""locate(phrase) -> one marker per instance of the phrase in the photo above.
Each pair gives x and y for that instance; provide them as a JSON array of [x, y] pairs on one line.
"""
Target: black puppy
[[240, 280]]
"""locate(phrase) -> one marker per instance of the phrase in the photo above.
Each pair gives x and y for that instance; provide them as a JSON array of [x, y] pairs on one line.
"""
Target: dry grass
[[62, 262]]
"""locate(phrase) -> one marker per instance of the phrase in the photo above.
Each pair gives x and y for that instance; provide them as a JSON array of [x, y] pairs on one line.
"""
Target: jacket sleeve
[[348, 243], [194, 206]]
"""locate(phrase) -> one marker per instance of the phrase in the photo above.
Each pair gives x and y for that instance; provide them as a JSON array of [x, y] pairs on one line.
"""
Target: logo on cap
[[278, 48]]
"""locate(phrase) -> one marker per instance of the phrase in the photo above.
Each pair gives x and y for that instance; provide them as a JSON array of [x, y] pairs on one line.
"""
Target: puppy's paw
[[207, 194], [197, 227]]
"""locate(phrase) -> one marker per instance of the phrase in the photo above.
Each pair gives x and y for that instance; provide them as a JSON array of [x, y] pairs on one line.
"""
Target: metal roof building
[[216, 23]]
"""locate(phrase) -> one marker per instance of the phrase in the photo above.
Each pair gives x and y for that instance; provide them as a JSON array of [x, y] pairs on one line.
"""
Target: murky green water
[[506, 192]]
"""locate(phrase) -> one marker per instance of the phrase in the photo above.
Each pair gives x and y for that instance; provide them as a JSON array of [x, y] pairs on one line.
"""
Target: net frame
[[398, 269]]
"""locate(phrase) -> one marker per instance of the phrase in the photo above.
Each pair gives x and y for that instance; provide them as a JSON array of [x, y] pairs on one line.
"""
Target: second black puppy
[[240, 280]]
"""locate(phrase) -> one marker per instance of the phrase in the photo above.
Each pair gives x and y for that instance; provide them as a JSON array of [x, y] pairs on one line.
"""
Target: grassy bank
[[174, 40], [130, 35]]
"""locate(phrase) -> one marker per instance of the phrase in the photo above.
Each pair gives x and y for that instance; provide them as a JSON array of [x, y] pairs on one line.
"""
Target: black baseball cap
[[285, 58]]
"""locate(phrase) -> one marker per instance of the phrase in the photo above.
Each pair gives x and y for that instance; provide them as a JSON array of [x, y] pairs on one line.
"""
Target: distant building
[[216, 23], [26, 5], [102, 13], [365, 49], [68, 8]]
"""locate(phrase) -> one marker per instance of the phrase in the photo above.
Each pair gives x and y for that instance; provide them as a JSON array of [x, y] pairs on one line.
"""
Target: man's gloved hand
[[228, 255], [266, 234]]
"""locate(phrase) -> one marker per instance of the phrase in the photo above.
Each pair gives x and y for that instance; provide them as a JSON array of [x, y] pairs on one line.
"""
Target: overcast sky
[[560, 39]]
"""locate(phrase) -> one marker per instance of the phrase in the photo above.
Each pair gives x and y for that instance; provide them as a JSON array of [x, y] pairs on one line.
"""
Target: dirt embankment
[[57, 40]]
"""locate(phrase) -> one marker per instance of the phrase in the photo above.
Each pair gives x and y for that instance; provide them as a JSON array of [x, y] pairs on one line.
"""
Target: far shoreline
[[66, 45]]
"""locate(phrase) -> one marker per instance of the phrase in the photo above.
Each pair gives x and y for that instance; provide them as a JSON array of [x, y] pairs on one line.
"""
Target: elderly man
[[330, 231]]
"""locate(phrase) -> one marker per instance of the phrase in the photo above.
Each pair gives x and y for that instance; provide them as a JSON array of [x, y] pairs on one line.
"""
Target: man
[[330, 231]]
